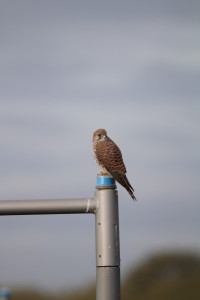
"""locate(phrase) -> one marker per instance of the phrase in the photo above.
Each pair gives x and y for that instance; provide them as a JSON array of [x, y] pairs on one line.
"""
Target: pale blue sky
[[68, 68]]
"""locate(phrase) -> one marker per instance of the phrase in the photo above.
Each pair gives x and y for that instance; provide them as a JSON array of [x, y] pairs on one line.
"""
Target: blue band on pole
[[105, 181], [5, 294]]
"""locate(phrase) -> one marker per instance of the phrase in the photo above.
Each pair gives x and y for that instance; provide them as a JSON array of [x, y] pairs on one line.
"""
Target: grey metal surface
[[107, 228], [53, 206], [108, 283], [107, 245]]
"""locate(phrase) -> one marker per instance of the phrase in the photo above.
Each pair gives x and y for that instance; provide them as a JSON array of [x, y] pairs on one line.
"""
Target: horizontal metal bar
[[46, 206]]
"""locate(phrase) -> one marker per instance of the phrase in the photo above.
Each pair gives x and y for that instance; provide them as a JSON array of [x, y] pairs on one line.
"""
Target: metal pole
[[105, 208], [107, 240], [53, 206]]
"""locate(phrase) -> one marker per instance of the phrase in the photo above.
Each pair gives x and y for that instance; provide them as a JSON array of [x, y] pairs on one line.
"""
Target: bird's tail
[[123, 180], [131, 194], [126, 184]]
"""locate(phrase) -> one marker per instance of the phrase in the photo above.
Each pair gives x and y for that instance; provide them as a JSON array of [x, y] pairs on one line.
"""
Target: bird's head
[[99, 135]]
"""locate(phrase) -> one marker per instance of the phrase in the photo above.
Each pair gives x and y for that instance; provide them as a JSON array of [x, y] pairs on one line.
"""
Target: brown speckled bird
[[108, 156]]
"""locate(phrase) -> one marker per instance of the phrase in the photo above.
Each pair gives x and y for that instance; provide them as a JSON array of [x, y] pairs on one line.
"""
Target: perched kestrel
[[108, 156]]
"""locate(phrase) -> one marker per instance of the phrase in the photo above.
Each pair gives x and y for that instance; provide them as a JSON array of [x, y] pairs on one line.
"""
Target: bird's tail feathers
[[123, 180]]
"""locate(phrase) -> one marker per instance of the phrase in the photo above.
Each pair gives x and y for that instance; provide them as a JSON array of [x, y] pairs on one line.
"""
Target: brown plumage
[[108, 156]]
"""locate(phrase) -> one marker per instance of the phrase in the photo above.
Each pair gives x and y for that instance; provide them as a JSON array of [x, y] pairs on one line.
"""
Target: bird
[[109, 158]]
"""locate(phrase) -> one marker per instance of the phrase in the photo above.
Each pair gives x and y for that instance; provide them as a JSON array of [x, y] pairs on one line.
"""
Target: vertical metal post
[[107, 240]]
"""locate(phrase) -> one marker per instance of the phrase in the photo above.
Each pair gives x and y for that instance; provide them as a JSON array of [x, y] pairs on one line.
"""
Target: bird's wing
[[109, 155], [122, 179]]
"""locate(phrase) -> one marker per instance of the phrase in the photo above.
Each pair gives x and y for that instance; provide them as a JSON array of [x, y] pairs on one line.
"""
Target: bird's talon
[[102, 173]]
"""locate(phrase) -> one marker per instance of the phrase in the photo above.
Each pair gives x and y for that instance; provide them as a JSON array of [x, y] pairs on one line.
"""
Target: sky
[[68, 68]]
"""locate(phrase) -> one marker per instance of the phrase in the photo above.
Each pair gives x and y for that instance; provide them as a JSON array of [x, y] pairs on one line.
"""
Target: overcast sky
[[68, 68]]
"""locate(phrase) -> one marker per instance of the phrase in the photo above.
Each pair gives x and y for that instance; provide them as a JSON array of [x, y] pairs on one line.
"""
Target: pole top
[[105, 182]]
